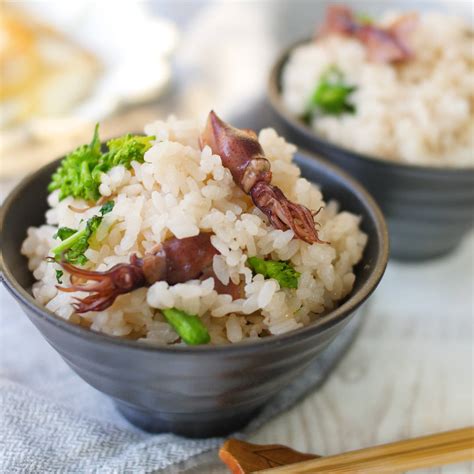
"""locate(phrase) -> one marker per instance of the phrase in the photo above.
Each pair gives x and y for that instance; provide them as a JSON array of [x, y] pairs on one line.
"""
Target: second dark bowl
[[194, 391], [428, 209]]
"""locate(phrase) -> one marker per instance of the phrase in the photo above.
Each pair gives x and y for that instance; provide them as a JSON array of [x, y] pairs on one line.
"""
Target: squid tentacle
[[384, 44], [243, 155], [174, 261], [120, 279], [284, 214], [93, 303]]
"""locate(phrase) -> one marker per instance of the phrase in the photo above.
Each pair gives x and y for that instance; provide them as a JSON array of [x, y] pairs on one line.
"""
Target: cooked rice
[[180, 190], [420, 112]]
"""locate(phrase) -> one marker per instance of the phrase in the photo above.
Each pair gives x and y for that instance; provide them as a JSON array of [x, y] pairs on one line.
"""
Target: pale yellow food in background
[[43, 73]]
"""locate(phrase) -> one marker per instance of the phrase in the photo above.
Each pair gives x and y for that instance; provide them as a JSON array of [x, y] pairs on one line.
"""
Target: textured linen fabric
[[52, 421], [38, 435]]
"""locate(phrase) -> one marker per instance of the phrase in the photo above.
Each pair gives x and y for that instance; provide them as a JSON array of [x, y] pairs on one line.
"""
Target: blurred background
[[66, 65]]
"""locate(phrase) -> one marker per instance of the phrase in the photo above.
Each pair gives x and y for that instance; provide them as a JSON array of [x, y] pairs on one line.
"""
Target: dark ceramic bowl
[[194, 391], [428, 209]]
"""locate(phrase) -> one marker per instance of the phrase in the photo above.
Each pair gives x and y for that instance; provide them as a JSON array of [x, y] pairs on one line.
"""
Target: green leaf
[[59, 275], [189, 326], [331, 95], [124, 150], [107, 207], [74, 175], [72, 248], [76, 242], [95, 143], [64, 232], [280, 271], [79, 173]]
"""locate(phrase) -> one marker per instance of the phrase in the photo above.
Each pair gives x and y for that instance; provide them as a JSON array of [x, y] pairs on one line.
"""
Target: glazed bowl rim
[[274, 97], [330, 319]]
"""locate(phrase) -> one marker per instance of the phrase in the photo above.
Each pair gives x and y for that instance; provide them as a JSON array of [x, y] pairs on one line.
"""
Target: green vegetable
[[189, 326], [79, 173], [124, 150], [107, 207], [282, 272], [74, 175], [331, 95], [64, 232], [59, 275], [76, 242]]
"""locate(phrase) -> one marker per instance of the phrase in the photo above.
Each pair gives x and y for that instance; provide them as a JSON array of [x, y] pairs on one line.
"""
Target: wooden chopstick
[[427, 451]]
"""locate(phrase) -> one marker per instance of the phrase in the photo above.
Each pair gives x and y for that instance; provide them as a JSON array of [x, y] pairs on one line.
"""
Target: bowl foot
[[190, 425]]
